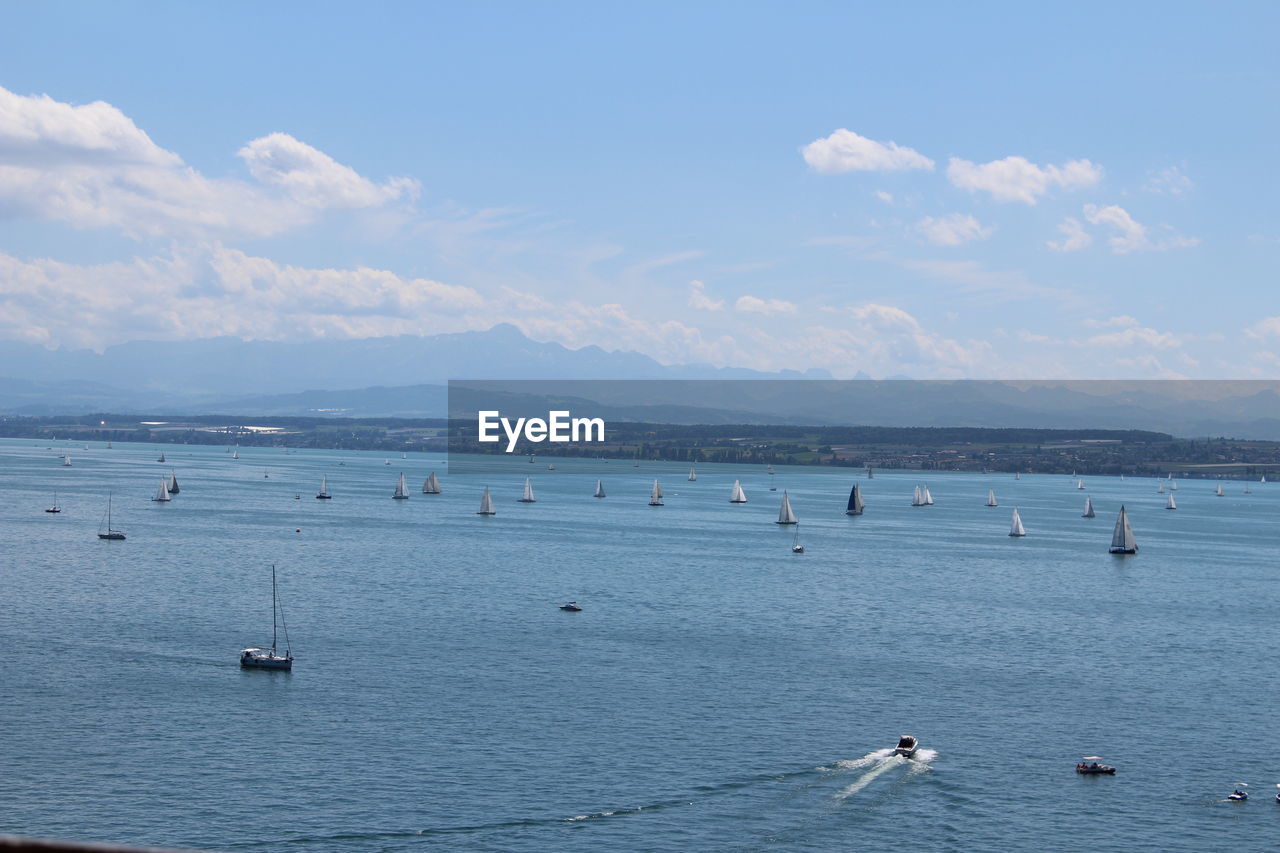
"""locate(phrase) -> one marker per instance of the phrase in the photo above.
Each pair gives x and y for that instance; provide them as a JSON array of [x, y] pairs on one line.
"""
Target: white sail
[[1015, 528], [1160, 489], [917, 497], [66, 461], [432, 485], [1173, 485], [324, 487], [655, 496], [235, 454], [928, 498], [1169, 504], [599, 489], [486, 504], [1264, 479], [1017, 475], [1122, 541], [162, 493], [1088, 509], [738, 496], [991, 497], [527, 497], [401, 493], [785, 514], [693, 474], [1079, 484], [1219, 491], [855, 506]]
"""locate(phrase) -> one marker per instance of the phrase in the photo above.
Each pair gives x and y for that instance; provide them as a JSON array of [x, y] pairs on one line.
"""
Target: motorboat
[[907, 746], [1091, 765], [1237, 794], [571, 606]]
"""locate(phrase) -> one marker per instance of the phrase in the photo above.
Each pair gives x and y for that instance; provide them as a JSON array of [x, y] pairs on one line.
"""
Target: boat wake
[[875, 764]]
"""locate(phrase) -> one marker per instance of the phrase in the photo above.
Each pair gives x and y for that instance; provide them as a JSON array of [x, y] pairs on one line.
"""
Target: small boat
[[265, 475], [1218, 491], [108, 445], [785, 513], [386, 461], [55, 507], [527, 497], [235, 454], [991, 497], [871, 475], [1160, 489], [1169, 503], [66, 462], [770, 469], [655, 496], [907, 746], [1079, 484], [1091, 765], [855, 505], [1122, 541], [1015, 527], [551, 467], [1017, 475], [796, 547], [486, 504], [571, 606], [401, 493], [161, 459], [111, 532], [323, 494], [1247, 490], [1239, 794], [917, 497], [173, 483], [162, 493], [693, 474], [257, 658], [928, 498], [1088, 509], [1173, 485], [432, 485], [738, 496], [599, 489]]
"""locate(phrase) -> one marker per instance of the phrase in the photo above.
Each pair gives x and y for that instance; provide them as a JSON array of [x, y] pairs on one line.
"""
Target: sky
[[986, 190]]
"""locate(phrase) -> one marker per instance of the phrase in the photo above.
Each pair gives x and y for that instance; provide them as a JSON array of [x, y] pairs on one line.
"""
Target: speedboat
[[907, 746], [572, 606], [1091, 765], [797, 549], [1237, 794]]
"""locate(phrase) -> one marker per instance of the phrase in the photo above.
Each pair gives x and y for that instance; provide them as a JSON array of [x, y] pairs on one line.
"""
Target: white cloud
[[91, 167], [1268, 327], [1131, 235], [846, 151], [1136, 336], [1018, 179], [1169, 181], [1124, 321], [885, 197], [1074, 237], [954, 229], [698, 298], [754, 305], [887, 336]]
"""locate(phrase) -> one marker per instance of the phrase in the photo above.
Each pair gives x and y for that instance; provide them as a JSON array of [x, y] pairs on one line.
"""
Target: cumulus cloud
[[1074, 237], [1169, 181], [698, 298], [90, 166], [888, 335], [1018, 179], [846, 151], [754, 305], [954, 229], [1129, 234], [1268, 327]]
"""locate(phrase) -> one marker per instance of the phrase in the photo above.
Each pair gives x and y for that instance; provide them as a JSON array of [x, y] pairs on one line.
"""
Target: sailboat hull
[[251, 660], [115, 536], [324, 497]]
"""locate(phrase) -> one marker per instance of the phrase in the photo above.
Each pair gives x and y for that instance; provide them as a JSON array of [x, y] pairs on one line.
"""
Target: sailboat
[[1122, 541], [401, 493], [173, 484], [256, 658], [1169, 504], [693, 474], [1173, 485], [928, 498], [770, 469], [871, 475], [1160, 489], [111, 533], [917, 497], [161, 459], [527, 497], [1247, 490], [486, 504], [785, 514], [432, 485], [1079, 484], [108, 445], [1218, 491], [796, 547], [162, 493], [323, 494], [1088, 509], [265, 475], [855, 505], [66, 462], [551, 466], [235, 454], [655, 496], [55, 507], [1264, 479], [1016, 528], [1017, 475], [738, 496], [991, 497], [599, 489]]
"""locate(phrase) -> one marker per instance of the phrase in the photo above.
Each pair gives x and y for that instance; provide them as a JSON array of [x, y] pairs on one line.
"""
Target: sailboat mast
[[273, 608]]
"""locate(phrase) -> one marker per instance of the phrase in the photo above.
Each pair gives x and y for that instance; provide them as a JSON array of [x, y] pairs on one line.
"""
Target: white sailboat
[[1122, 541], [1218, 491], [431, 486], [323, 494], [66, 461], [928, 498], [1017, 475], [173, 483], [527, 497], [1016, 528], [855, 505], [1264, 479], [55, 507], [599, 489], [486, 504], [1160, 489], [770, 469], [257, 658], [1079, 484], [1088, 509], [162, 493], [655, 496], [235, 454], [785, 513], [871, 475], [693, 474], [401, 493], [738, 496], [1247, 490], [917, 497], [111, 533], [108, 445], [796, 547], [1169, 504], [991, 497], [1173, 485]]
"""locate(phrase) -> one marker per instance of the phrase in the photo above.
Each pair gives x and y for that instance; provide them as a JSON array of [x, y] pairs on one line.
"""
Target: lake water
[[716, 693]]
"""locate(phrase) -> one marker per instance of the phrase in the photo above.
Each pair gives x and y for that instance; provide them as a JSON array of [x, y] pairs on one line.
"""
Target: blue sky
[[994, 190]]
